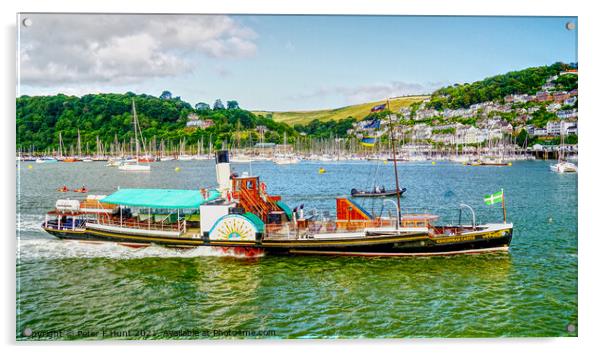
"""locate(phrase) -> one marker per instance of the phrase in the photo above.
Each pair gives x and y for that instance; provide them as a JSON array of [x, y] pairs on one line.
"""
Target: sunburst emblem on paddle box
[[233, 227]]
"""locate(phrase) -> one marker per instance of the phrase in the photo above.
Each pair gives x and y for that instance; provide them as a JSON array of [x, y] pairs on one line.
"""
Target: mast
[[395, 167], [79, 144], [135, 129], [60, 145]]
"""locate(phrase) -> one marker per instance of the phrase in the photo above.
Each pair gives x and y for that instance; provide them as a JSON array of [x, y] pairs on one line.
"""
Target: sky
[[279, 63]]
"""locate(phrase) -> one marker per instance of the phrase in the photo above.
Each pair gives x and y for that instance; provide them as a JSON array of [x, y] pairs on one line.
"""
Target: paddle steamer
[[240, 213]]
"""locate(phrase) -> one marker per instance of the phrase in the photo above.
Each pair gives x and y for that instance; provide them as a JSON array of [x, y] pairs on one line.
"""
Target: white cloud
[[123, 49], [372, 92]]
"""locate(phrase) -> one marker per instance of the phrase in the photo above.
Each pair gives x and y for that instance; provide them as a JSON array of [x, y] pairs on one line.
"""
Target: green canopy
[[160, 198]]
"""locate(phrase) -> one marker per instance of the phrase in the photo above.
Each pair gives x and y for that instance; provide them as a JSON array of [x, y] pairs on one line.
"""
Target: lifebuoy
[[263, 187]]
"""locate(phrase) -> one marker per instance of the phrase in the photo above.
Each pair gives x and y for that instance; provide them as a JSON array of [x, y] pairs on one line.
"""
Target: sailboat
[[183, 156], [563, 166], [135, 165], [380, 191], [285, 159]]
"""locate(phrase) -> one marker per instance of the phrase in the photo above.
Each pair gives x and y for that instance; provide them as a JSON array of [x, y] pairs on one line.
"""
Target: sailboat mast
[[60, 145], [135, 129], [79, 144], [395, 166]]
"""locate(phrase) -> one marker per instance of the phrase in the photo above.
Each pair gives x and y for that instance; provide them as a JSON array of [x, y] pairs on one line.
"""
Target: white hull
[[286, 161], [564, 167], [241, 159], [132, 231], [46, 160], [134, 167], [114, 163]]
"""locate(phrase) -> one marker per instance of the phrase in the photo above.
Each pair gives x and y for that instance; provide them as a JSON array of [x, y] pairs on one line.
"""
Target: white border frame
[[589, 190]]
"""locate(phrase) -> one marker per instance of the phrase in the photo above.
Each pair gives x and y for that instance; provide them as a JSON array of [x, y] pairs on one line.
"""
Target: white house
[[569, 128], [553, 107], [553, 128], [570, 101], [565, 128], [472, 135], [572, 113], [203, 124], [540, 132]]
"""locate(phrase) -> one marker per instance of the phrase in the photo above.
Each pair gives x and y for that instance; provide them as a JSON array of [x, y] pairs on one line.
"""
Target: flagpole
[[504, 204], [395, 167]]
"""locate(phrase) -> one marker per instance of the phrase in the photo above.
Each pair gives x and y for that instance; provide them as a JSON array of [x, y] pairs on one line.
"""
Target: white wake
[[33, 249]]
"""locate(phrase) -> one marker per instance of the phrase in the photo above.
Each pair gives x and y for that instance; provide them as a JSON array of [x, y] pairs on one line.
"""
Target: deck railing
[[143, 225], [308, 228]]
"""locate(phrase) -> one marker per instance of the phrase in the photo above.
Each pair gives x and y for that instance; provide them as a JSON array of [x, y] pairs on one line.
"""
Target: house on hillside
[[570, 72], [553, 107], [569, 128], [542, 96], [560, 97], [570, 101], [194, 121], [549, 86], [567, 114], [422, 131], [470, 135], [553, 128]]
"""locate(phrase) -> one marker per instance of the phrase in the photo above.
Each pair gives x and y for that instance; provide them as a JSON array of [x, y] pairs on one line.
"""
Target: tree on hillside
[[232, 105], [40, 119], [218, 104], [566, 82], [495, 88], [202, 106], [165, 95]]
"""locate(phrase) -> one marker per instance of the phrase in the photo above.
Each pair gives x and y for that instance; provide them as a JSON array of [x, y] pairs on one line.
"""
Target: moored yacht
[[563, 167]]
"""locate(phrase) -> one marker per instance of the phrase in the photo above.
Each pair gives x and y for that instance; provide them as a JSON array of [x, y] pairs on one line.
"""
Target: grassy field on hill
[[356, 111]]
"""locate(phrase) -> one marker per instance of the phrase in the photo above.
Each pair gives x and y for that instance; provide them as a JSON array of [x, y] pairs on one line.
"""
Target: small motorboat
[[129, 166], [81, 190], [564, 167], [63, 189], [376, 192]]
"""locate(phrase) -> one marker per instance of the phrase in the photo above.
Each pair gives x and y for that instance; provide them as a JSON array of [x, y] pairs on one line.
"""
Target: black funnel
[[221, 156]]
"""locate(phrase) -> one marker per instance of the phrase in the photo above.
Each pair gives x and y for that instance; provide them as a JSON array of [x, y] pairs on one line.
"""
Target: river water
[[73, 290]]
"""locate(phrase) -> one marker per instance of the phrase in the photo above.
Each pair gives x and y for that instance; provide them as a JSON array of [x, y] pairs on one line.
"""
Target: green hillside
[[40, 120], [526, 81], [358, 111]]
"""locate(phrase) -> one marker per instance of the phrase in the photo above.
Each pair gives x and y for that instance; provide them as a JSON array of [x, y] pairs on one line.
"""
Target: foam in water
[[28, 223], [29, 249]]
